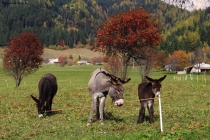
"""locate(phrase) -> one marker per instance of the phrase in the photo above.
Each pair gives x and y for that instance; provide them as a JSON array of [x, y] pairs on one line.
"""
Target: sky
[[197, 4]]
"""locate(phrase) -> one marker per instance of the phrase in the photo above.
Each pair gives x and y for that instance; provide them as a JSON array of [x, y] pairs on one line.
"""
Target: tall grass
[[185, 106]]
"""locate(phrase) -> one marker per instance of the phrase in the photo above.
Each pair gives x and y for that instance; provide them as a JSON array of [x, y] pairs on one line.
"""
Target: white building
[[53, 60], [84, 62]]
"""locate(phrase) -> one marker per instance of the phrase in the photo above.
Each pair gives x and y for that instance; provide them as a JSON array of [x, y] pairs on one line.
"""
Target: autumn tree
[[161, 60], [62, 60], [129, 34], [113, 65], [206, 52], [70, 60], [178, 60], [22, 56], [96, 60], [145, 63]]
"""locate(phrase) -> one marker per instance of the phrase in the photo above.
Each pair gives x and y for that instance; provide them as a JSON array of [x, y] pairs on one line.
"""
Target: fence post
[[160, 109]]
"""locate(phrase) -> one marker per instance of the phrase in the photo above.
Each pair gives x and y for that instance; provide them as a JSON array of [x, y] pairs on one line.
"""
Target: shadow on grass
[[107, 116], [146, 118], [54, 112], [110, 116]]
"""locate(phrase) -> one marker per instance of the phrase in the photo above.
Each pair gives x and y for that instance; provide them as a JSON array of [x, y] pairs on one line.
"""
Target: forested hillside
[[64, 22], [189, 34]]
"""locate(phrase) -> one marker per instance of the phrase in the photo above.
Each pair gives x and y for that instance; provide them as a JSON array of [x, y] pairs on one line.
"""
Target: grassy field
[[185, 108]]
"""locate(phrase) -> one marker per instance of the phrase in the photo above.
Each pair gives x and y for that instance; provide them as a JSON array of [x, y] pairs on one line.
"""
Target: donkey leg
[[151, 112], [48, 107], [93, 107], [101, 109], [141, 114], [41, 109], [51, 100], [97, 109]]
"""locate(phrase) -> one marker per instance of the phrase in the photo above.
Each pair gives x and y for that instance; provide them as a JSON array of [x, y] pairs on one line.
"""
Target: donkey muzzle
[[157, 94], [40, 115], [119, 102]]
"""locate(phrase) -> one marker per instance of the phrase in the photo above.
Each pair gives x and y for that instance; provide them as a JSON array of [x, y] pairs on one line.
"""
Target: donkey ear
[[113, 82], [36, 100], [150, 79], [125, 81], [162, 78]]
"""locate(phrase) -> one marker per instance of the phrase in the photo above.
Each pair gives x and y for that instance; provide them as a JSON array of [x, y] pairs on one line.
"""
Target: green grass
[[185, 108]]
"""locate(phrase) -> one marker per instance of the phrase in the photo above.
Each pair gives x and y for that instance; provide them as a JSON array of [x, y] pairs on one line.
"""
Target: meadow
[[185, 108]]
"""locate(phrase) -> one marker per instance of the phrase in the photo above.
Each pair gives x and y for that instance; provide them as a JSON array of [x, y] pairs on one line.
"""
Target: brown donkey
[[147, 92], [47, 90]]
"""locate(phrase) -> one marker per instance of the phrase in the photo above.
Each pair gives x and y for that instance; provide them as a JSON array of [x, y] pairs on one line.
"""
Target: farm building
[[200, 67], [53, 60], [83, 62], [188, 69]]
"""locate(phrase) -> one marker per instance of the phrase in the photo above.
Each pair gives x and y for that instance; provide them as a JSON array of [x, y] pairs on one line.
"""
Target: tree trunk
[[18, 81], [144, 69], [125, 63], [124, 71]]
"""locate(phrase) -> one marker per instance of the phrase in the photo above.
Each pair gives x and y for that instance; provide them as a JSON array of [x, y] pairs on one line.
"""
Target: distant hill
[[84, 53], [73, 22], [75, 52]]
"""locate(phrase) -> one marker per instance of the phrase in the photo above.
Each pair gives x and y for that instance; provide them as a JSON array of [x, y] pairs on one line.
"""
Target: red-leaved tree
[[161, 60], [22, 56], [62, 60], [128, 34]]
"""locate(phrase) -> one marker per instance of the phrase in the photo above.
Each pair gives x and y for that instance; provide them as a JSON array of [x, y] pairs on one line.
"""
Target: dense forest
[[73, 22]]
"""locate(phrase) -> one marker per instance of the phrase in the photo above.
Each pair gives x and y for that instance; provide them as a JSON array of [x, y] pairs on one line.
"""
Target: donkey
[[147, 92], [100, 84], [47, 90]]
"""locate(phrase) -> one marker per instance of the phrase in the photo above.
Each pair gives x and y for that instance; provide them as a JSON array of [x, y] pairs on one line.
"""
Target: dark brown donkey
[[47, 90], [147, 92]]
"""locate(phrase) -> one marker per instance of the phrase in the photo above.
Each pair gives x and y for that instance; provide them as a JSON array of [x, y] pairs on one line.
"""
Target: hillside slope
[[75, 52]]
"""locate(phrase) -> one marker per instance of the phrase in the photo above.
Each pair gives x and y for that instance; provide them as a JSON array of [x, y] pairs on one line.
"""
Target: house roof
[[202, 66], [188, 67]]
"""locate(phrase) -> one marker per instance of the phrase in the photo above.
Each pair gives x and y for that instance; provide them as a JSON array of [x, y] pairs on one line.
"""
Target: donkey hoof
[[151, 122], [40, 115], [88, 124], [139, 122]]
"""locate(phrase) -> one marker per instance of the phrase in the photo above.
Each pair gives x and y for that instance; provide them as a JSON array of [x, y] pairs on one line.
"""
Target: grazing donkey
[[100, 84], [147, 92], [47, 90]]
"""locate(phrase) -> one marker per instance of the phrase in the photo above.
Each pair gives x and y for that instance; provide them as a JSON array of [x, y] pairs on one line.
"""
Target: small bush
[[70, 62], [62, 60]]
